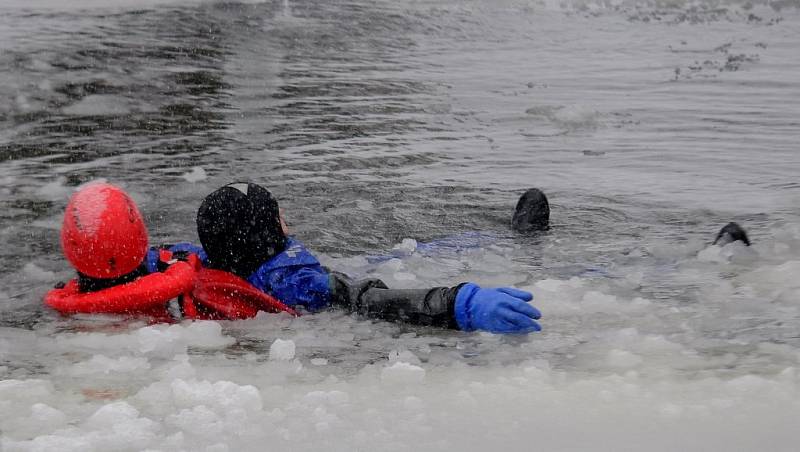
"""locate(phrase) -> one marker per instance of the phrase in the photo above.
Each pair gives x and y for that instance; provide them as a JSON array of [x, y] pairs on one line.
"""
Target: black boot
[[532, 212], [731, 232]]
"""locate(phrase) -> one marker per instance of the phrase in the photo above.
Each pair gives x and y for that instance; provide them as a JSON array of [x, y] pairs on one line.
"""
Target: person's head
[[729, 233], [532, 212], [103, 234], [240, 228]]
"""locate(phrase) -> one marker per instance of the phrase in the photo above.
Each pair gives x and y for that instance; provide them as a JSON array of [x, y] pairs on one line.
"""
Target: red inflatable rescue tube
[[141, 296], [206, 294], [232, 297]]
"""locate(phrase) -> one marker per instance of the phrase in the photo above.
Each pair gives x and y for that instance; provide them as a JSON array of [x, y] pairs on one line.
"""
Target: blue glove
[[501, 310]]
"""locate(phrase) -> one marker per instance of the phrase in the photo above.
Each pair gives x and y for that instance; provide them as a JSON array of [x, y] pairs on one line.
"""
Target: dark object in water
[[532, 212], [731, 232]]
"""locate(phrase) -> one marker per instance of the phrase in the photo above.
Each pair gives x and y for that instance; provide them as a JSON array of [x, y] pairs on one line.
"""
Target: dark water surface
[[375, 122]]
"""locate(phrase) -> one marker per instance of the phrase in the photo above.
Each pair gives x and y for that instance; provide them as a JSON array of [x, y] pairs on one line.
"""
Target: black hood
[[239, 227], [532, 212], [731, 232]]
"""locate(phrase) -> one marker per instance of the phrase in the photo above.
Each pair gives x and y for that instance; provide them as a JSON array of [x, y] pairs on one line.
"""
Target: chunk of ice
[[112, 414], [221, 395], [622, 359], [402, 373], [100, 364], [36, 273], [282, 350], [406, 247], [195, 175]]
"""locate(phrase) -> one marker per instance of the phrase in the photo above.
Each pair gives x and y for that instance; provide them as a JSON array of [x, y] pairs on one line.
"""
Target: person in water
[[531, 216], [731, 232], [104, 238], [532, 213], [242, 232]]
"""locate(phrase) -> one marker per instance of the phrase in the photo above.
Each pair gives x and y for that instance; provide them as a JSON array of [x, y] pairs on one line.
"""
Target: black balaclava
[[731, 232], [532, 212], [240, 228]]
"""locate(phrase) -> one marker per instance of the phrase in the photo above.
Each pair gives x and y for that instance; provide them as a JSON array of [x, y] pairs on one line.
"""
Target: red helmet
[[103, 235]]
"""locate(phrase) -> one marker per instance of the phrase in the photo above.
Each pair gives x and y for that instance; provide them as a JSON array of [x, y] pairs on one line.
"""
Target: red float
[[204, 294], [231, 297], [141, 296]]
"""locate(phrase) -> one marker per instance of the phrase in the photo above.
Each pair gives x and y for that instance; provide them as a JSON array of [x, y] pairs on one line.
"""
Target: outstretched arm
[[467, 306], [371, 297]]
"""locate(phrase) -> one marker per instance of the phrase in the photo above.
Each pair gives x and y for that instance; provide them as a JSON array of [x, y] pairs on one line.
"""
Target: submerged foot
[[532, 212], [731, 232]]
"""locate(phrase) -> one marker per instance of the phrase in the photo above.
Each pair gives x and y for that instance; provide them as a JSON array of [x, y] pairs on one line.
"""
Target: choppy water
[[649, 125]]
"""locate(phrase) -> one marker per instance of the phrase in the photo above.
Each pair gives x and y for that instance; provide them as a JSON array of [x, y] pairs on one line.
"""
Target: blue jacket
[[295, 277]]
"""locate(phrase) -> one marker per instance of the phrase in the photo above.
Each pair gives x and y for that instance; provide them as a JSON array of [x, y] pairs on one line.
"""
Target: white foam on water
[[55, 190], [197, 174], [33, 272], [100, 105]]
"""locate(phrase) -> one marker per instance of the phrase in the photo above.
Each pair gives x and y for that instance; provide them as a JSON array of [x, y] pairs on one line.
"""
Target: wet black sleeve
[[371, 297]]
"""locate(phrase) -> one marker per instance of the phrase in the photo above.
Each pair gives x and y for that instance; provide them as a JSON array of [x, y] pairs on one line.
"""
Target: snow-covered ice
[[381, 126]]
